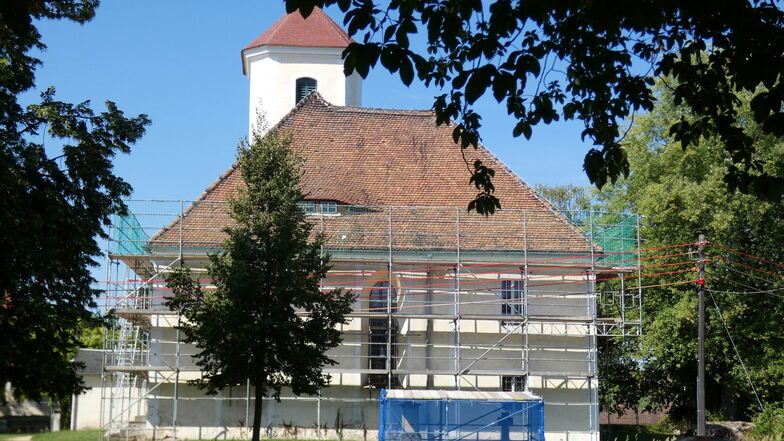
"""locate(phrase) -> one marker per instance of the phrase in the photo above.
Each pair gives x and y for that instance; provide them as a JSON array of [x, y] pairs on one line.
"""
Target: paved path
[[20, 438]]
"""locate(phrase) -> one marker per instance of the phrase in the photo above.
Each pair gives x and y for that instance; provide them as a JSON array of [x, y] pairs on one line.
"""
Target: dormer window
[[304, 87], [308, 206], [319, 207]]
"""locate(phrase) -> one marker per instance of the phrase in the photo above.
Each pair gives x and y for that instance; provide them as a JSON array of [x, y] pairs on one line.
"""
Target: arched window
[[304, 87], [382, 338], [379, 296]]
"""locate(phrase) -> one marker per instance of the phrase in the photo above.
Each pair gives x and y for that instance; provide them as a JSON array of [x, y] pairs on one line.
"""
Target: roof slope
[[376, 157], [318, 30]]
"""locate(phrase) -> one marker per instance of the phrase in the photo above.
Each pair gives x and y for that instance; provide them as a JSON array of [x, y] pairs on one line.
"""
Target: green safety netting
[[128, 236], [617, 238]]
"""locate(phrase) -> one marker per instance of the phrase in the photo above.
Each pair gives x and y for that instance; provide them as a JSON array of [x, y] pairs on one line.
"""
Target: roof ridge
[[331, 36], [362, 109]]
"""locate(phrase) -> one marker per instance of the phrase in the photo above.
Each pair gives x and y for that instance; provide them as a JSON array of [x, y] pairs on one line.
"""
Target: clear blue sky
[[179, 62]]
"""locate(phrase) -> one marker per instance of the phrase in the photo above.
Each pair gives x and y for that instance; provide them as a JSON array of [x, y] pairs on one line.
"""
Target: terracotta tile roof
[[393, 158], [318, 30]]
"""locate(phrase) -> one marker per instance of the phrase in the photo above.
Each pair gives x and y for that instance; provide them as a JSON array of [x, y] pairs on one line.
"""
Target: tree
[[567, 197], [592, 61], [266, 321], [56, 201], [682, 193]]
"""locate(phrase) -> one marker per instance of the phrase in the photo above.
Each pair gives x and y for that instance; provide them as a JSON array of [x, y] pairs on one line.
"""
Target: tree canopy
[[590, 61], [57, 200], [266, 320], [567, 197], [682, 193]]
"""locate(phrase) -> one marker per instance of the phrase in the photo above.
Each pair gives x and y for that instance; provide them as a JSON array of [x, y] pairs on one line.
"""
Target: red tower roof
[[318, 30]]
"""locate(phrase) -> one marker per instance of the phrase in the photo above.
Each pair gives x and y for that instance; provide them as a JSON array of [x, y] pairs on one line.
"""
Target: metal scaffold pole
[[526, 348], [639, 277], [177, 337], [389, 306], [457, 302], [593, 409]]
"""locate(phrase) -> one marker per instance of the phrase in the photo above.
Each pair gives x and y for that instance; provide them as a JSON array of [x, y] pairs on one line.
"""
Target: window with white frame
[[308, 207], [323, 207], [513, 383], [512, 295]]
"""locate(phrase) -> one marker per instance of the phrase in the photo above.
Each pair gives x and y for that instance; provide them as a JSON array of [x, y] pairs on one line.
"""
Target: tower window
[[304, 87]]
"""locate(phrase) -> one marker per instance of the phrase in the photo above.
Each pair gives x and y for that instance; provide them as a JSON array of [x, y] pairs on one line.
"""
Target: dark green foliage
[[591, 61], [266, 320], [54, 208], [769, 425], [642, 432], [682, 193]]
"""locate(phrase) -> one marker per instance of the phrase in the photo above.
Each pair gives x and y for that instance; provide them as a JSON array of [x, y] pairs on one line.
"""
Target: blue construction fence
[[442, 415]]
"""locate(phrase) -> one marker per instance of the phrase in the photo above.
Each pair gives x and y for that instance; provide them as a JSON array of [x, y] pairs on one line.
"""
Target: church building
[[447, 300]]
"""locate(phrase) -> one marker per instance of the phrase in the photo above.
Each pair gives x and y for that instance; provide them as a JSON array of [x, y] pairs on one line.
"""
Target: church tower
[[294, 57]]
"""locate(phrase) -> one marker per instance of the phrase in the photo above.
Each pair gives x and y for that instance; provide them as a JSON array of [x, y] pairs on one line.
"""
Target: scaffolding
[[445, 300]]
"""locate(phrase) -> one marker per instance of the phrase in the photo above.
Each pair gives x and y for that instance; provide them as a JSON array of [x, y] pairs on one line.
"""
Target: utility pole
[[701, 338]]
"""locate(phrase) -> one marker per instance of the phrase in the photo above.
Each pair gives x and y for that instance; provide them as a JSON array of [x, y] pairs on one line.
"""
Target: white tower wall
[[273, 72]]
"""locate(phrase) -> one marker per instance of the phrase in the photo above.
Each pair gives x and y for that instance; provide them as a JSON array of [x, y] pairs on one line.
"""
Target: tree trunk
[[257, 410]]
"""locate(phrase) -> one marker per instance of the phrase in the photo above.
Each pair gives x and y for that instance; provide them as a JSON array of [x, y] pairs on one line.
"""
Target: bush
[[666, 426], [769, 425]]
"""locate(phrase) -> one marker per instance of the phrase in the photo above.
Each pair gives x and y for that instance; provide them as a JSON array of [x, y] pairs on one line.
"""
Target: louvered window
[[304, 87]]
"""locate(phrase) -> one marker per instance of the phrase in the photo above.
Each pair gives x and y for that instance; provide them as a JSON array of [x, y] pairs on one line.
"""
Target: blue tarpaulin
[[429, 415]]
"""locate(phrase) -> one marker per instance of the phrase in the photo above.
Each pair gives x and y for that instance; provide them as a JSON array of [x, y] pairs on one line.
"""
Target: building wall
[[273, 71], [342, 412], [559, 358], [86, 407]]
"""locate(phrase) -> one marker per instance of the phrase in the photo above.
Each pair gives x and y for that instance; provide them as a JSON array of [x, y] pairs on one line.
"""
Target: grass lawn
[[68, 435], [5, 436]]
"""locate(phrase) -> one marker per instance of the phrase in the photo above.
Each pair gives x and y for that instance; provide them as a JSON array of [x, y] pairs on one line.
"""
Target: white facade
[[453, 333], [85, 407], [273, 72]]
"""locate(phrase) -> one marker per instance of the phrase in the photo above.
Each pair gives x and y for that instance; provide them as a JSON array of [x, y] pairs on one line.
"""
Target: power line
[[753, 276], [735, 348], [754, 290], [748, 266], [747, 255], [770, 292]]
